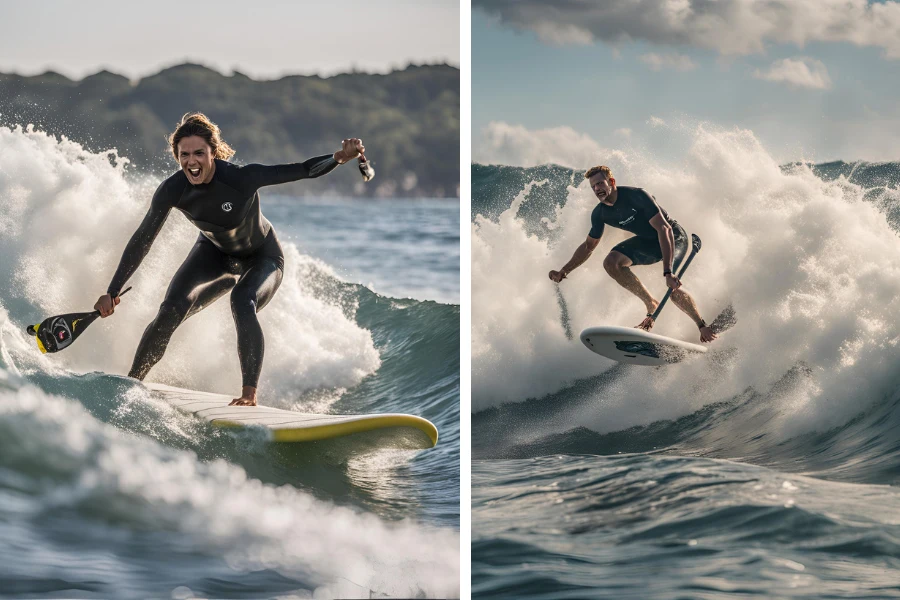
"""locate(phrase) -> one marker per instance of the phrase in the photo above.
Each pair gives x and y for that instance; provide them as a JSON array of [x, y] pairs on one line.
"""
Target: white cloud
[[676, 62], [505, 144], [798, 72], [557, 34], [623, 132], [729, 27]]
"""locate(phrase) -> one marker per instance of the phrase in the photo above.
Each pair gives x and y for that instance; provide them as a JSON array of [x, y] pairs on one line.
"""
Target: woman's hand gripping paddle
[[695, 242], [55, 333]]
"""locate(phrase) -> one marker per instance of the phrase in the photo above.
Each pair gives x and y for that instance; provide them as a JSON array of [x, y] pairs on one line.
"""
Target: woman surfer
[[237, 248]]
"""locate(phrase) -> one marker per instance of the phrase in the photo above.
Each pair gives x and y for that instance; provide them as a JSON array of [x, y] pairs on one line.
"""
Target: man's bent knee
[[615, 261]]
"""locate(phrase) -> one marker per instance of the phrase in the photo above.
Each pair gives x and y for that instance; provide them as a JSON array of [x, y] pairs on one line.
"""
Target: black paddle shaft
[[695, 243]]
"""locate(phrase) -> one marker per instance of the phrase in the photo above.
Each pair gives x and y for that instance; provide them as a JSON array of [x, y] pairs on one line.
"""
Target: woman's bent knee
[[243, 301], [174, 309]]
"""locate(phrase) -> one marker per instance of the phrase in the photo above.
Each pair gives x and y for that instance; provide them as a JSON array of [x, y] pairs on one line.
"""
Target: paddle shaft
[[687, 262]]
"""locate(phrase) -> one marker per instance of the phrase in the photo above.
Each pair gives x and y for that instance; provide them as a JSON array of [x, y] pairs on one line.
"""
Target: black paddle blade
[[695, 241], [365, 169], [55, 333]]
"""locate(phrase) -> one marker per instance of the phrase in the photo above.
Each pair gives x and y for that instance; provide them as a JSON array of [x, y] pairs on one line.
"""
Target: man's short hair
[[607, 172]]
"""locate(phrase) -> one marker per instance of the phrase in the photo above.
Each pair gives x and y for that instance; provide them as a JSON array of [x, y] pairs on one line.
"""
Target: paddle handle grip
[[365, 169], [694, 251]]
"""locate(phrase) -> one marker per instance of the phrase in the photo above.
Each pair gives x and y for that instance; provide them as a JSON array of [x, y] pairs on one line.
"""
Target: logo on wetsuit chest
[[227, 207], [629, 219]]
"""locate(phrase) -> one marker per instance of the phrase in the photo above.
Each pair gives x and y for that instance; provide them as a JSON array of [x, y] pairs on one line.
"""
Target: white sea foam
[[66, 216], [812, 269], [69, 463]]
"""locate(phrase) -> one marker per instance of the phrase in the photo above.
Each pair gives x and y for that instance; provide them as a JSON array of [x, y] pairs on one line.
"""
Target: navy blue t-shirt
[[632, 212]]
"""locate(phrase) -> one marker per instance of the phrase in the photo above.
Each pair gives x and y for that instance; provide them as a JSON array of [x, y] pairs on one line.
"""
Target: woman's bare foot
[[248, 397]]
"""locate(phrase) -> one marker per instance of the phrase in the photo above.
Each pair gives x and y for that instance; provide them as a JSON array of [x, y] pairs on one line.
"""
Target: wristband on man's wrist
[[666, 272]]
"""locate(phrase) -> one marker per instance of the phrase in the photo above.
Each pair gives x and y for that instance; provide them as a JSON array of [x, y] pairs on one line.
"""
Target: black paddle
[[695, 242], [55, 333]]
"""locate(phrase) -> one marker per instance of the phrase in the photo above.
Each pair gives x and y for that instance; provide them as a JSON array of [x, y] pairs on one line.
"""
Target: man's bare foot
[[248, 397], [647, 323], [707, 335]]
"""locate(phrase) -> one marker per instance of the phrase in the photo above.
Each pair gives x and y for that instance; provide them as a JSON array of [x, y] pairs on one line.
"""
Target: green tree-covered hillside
[[409, 120]]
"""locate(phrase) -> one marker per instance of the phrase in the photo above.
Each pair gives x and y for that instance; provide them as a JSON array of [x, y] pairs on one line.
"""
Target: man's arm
[[582, 253], [667, 245]]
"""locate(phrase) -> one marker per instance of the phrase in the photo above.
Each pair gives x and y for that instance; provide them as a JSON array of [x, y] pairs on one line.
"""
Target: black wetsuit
[[632, 212], [237, 248]]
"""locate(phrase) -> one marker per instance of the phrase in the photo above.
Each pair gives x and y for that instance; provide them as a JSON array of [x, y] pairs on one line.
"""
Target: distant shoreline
[[408, 118]]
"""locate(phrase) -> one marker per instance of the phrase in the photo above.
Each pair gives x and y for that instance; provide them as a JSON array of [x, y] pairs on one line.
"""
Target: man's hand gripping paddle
[[55, 333], [695, 242]]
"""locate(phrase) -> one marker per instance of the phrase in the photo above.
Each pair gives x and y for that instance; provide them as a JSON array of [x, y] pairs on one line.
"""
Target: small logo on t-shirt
[[227, 207]]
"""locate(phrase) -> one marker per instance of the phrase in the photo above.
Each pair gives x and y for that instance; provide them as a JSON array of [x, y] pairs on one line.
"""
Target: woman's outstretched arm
[[263, 175]]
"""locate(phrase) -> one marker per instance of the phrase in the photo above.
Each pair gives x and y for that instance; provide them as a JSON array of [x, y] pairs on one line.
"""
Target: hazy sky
[[261, 38], [813, 79]]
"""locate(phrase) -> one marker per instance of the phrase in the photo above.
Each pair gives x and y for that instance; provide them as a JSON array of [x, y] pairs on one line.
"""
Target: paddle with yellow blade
[[55, 333]]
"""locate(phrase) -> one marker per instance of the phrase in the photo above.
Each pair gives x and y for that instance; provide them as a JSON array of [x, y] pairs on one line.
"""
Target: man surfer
[[237, 249], [656, 238]]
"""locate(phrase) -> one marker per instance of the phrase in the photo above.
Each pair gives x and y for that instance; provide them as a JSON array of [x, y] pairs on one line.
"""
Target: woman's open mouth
[[195, 173]]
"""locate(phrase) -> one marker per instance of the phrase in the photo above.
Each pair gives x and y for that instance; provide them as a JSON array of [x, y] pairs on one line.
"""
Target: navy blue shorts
[[646, 251]]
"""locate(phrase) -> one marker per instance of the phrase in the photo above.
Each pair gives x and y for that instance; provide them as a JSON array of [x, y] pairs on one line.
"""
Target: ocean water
[[767, 468], [370, 241], [106, 492]]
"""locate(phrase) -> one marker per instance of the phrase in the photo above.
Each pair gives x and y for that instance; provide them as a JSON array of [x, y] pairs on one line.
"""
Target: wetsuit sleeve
[[645, 204], [597, 224], [140, 242], [262, 175]]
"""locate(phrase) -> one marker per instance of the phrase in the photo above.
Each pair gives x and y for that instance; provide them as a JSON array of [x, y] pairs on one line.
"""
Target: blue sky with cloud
[[813, 79]]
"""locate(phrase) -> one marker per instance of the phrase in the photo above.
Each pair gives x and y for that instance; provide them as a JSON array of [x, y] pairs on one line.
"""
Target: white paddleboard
[[290, 426], [638, 347]]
